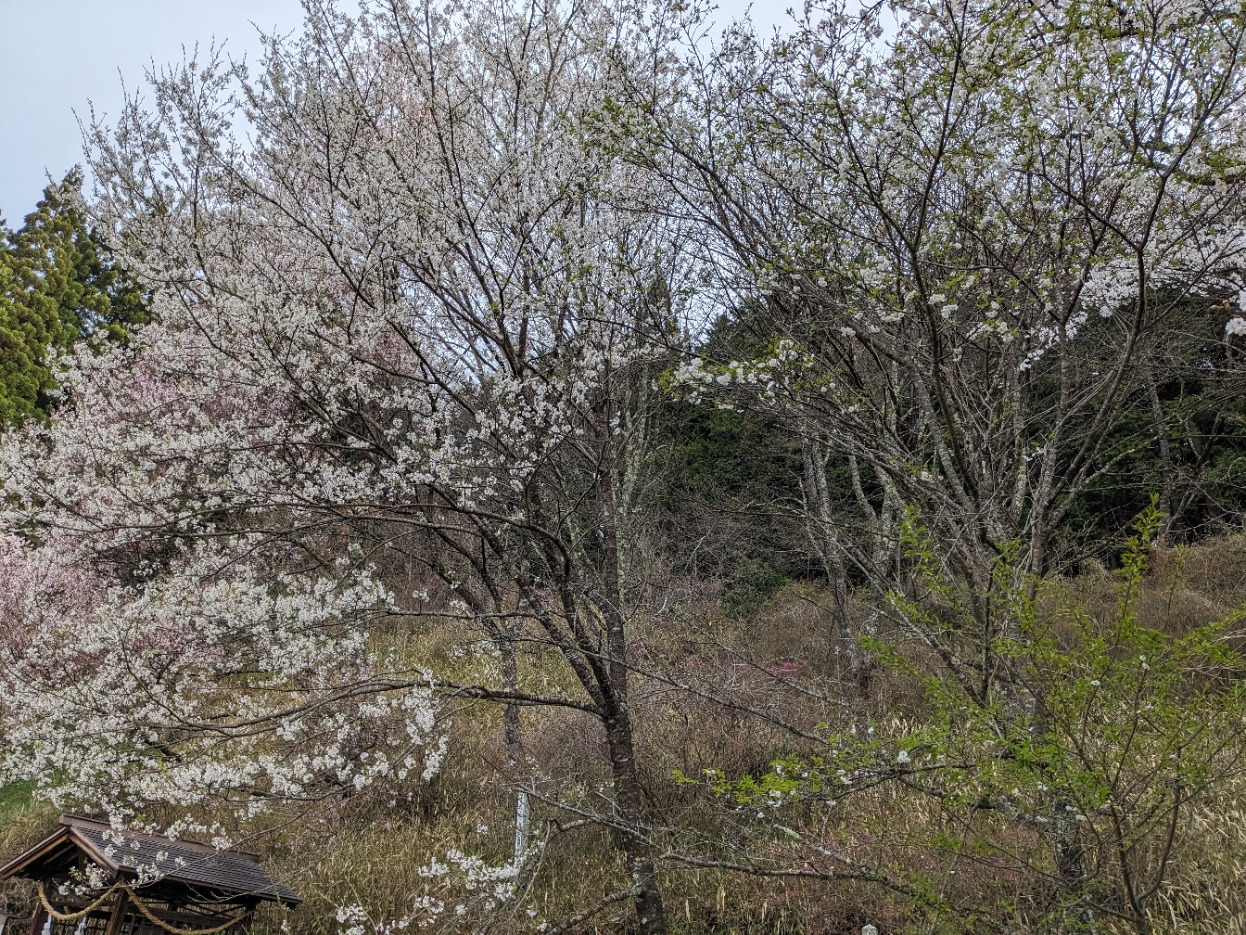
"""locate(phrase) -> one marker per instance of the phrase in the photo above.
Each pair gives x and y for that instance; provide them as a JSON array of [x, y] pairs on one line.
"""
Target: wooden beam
[[42, 849]]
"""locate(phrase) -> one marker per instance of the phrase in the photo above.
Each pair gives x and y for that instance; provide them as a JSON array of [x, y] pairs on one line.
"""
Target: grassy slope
[[372, 853]]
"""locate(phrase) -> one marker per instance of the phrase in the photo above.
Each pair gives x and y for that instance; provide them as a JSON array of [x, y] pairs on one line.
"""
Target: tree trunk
[[629, 800], [1070, 854], [512, 735], [1167, 485], [818, 509]]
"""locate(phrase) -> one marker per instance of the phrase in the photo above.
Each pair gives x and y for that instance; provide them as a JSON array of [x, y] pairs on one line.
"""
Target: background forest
[[529, 466]]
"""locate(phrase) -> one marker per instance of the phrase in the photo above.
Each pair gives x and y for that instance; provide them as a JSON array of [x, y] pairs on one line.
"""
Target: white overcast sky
[[59, 56]]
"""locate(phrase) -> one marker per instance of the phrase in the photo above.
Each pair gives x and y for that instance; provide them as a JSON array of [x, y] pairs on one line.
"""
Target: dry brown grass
[[1207, 892], [23, 821], [371, 851]]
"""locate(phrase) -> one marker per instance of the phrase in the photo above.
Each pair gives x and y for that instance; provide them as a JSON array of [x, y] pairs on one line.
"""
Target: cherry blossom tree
[[963, 242], [404, 335], [965, 239]]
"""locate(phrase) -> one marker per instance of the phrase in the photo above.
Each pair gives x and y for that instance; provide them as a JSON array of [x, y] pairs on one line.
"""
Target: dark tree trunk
[[629, 799]]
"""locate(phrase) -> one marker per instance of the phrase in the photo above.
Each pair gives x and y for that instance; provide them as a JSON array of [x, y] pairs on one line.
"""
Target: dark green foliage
[[753, 582], [728, 501], [57, 286], [1187, 387], [1198, 408], [733, 490], [741, 457], [23, 340]]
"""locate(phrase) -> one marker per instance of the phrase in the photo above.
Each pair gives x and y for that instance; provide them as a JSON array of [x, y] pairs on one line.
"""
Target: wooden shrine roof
[[228, 873]]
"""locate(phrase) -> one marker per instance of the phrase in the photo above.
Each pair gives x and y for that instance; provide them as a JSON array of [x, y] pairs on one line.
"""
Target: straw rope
[[173, 929], [141, 907], [74, 916]]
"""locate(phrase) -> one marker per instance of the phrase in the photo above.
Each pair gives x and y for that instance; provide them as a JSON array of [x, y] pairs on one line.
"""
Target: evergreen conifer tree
[[23, 340], [57, 285]]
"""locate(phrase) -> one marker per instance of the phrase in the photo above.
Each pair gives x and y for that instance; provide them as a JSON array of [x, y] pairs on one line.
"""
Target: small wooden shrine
[[95, 881]]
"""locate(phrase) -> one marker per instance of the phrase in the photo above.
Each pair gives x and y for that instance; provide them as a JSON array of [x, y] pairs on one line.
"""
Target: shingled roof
[[228, 873]]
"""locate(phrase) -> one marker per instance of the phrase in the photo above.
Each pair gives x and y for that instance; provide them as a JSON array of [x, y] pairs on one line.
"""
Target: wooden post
[[119, 907], [36, 924], [244, 927]]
